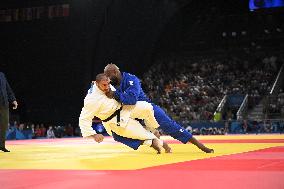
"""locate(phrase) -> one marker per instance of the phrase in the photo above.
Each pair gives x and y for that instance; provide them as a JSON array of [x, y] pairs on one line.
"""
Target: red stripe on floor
[[246, 170], [271, 159], [146, 179], [235, 141]]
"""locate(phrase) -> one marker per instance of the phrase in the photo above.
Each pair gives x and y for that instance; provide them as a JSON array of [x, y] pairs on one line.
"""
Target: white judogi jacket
[[96, 103]]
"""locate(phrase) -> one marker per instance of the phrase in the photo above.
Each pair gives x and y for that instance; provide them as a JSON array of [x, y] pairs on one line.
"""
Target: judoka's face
[[104, 85]]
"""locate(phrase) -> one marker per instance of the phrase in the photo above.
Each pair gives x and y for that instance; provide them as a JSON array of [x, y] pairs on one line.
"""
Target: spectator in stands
[[13, 126], [245, 126], [69, 130], [50, 133], [77, 131], [189, 129], [281, 127], [59, 131], [37, 131], [43, 130], [267, 126], [33, 130], [21, 127]]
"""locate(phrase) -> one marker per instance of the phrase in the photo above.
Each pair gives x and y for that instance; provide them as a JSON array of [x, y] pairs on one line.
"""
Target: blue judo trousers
[[128, 93]]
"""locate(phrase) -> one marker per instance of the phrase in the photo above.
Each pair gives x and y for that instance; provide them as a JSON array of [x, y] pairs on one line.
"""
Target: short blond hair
[[111, 66]]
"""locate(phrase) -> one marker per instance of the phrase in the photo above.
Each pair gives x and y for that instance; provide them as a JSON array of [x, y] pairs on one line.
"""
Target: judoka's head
[[112, 71], [102, 81]]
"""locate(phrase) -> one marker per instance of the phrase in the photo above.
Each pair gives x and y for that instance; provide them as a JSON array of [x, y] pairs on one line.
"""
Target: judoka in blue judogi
[[129, 91]]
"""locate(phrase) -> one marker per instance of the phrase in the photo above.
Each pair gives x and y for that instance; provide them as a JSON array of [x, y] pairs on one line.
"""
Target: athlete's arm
[[130, 94]]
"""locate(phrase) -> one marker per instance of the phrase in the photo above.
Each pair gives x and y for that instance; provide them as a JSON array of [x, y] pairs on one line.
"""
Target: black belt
[[117, 114]]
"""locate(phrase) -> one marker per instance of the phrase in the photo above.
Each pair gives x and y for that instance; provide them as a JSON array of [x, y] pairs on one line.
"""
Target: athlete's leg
[[144, 111], [200, 145], [132, 143], [134, 135], [136, 143], [175, 130], [169, 126]]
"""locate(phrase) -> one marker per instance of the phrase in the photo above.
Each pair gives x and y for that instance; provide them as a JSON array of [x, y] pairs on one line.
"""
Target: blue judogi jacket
[[130, 90]]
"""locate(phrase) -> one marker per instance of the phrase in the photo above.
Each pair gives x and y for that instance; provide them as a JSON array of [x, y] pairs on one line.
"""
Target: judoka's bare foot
[[167, 147], [200, 145], [209, 150], [155, 145]]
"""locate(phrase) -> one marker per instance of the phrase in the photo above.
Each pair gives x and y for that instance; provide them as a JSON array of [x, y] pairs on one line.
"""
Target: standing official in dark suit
[[6, 96]]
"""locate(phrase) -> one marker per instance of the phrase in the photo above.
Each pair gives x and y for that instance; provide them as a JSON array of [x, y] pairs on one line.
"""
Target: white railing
[[277, 79], [221, 105], [242, 108]]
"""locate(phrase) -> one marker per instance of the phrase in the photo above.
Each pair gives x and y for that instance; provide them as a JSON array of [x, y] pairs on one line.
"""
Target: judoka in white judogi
[[96, 103]]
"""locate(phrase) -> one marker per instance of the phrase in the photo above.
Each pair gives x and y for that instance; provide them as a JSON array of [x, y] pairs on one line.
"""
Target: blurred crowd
[[192, 88], [275, 105], [45, 130], [256, 126]]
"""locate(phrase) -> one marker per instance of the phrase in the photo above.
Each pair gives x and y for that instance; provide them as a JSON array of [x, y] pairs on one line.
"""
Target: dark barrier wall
[[130, 32], [45, 61], [51, 61]]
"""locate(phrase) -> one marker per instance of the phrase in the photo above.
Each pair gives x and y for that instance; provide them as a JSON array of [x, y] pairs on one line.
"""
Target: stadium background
[[195, 57], [51, 50]]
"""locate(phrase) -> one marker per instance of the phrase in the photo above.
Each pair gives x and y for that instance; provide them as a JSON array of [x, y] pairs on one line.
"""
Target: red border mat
[[259, 169], [235, 141]]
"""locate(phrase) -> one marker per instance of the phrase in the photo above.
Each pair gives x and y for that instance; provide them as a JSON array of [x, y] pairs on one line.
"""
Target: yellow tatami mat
[[82, 154]]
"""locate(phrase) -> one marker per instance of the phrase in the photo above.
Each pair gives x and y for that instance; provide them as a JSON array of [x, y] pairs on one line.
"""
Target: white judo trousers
[[96, 103], [131, 128]]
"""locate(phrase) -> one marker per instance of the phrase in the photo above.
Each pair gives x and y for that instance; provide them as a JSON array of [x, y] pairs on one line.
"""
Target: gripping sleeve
[[131, 92]]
